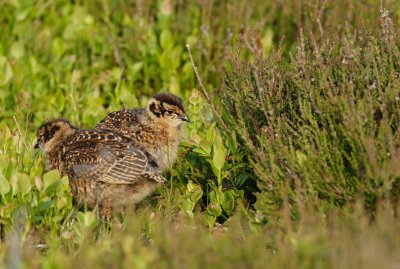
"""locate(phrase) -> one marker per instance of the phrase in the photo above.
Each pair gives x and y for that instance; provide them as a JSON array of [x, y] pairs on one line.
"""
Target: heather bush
[[322, 128]]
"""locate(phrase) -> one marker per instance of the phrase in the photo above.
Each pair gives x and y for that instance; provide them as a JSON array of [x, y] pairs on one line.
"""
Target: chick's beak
[[184, 117], [36, 145]]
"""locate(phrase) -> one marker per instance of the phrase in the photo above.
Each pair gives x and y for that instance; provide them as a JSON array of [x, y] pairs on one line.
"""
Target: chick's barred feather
[[93, 155]]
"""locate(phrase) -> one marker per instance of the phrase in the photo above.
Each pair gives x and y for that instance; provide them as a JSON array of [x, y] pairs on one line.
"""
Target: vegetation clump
[[322, 127]]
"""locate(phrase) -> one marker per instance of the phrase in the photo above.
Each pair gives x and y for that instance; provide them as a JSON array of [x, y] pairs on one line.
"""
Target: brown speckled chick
[[103, 168], [157, 127]]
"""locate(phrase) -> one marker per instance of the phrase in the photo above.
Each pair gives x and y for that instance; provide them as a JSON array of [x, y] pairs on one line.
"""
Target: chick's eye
[[170, 112]]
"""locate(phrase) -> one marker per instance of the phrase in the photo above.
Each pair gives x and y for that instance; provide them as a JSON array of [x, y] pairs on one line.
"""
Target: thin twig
[[20, 133], [117, 57], [210, 102], [197, 74]]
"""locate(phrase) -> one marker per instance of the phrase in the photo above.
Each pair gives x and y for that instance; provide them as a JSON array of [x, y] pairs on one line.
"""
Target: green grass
[[291, 159]]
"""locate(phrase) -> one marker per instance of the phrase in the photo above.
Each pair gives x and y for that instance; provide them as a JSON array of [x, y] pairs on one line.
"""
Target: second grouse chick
[[103, 168], [157, 127]]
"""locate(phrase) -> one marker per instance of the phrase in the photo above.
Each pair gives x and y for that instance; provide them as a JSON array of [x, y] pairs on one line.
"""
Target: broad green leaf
[[128, 98], [219, 153], [241, 179], [22, 14], [174, 85], [228, 202], [53, 187], [210, 219], [45, 205], [14, 184], [17, 50], [166, 40], [215, 195], [4, 185], [190, 186], [239, 194], [190, 214], [195, 139], [196, 195], [62, 202], [77, 23], [89, 20], [216, 172], [206, 146], [60, 100], [187, 70], [3, 162], [210, 135], [202, 152], [24, 183], [6, 72], [87, 218], [50, 178], [9, 170], [36, 218], [58, 47], [165, 60], [134, 69], [175, 56], [214, 209], [187, 205]]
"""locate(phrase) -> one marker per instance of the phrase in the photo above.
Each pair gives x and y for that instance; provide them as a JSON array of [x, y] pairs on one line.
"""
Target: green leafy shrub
[[211, 175]]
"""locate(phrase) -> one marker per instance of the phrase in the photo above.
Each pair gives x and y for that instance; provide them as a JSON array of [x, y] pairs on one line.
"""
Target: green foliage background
[[291, 158]]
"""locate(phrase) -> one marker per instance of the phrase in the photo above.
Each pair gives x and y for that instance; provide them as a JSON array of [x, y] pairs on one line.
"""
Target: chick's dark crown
[[169, 99]]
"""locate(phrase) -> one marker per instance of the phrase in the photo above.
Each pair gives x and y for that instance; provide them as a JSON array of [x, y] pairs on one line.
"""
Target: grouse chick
[[103, 168], [157, 127]]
